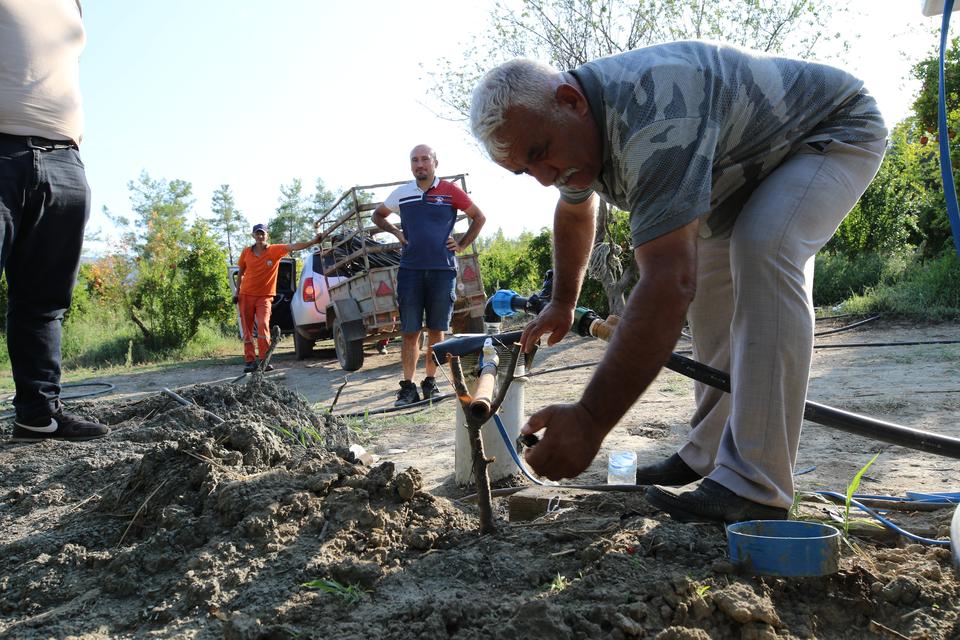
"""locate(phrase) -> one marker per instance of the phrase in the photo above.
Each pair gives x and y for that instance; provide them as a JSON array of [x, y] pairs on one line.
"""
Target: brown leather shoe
[[672, 472], [711, 501]]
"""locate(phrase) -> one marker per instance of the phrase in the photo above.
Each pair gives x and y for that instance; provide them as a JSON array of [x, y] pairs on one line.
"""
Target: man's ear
[[570, 96]]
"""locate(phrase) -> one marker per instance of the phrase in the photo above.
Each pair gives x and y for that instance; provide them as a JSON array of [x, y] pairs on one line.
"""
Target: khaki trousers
[[753, 316]]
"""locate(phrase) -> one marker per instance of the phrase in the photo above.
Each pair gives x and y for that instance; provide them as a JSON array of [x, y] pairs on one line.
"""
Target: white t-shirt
[[40, 45]]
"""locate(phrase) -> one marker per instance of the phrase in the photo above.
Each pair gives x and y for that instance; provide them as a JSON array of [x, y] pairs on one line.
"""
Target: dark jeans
[[44, 206]]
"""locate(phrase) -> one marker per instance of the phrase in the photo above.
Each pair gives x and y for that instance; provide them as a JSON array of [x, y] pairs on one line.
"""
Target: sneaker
[[407, 394], [382, 347], [249, 366], [269, 367], [429, 387], [59, 426], [710, 501]]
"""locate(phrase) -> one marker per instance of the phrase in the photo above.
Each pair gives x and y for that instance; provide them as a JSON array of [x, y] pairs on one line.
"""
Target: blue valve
[[502, 300]]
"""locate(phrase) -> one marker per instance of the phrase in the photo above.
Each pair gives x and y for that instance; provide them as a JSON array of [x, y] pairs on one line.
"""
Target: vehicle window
[[285, 277]]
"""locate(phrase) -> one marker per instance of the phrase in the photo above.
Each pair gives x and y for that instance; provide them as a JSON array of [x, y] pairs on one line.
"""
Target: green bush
[[515, 263], [837, 277], [178, 287], [927, 289]]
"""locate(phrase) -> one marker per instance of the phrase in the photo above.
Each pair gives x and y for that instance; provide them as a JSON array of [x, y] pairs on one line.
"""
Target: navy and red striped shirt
[[427, 218]]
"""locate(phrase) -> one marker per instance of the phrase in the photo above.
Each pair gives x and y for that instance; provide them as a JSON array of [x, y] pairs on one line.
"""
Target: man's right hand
[[401, 237], [555, 319], [569, 444]]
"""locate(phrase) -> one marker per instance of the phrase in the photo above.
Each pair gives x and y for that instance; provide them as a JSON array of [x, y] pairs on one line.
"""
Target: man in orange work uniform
[[257, 285]]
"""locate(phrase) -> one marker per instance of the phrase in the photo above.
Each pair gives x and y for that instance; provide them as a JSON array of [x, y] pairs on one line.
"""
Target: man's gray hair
[[518, 83]]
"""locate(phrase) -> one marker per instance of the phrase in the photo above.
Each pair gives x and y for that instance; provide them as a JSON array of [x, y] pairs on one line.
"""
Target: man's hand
[[453, 245], [555, 319], [400, 237], [236, 298], [569, 444], [319, 238]]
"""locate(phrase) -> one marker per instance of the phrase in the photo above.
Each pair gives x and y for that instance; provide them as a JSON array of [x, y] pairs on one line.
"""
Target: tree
[[161, 208], [227, 222], [176, 275], [179, 288], [568, 33], [933, 225], [294, 219]]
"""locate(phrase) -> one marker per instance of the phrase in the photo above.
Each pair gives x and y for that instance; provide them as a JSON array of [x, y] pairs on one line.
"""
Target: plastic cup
[[622, 467]]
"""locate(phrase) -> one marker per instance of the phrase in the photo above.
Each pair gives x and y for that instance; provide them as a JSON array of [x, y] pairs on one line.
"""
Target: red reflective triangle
[[384, 289], [469, 275]]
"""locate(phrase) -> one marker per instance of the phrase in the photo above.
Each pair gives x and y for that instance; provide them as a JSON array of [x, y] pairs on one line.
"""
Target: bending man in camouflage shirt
[[736, 168]]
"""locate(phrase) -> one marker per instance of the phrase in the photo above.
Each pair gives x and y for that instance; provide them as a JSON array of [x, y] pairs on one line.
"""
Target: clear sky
[[253, 93]]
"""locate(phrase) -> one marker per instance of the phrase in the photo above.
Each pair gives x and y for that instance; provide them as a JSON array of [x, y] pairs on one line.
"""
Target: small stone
[[637, 611], [628, 626], [758, 631], [408, 482]]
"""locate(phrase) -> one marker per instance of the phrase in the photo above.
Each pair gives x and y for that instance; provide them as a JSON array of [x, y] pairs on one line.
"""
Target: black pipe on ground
[[835, 418]]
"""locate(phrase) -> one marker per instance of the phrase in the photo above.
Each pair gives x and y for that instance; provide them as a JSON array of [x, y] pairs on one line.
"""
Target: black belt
[[38, 142]]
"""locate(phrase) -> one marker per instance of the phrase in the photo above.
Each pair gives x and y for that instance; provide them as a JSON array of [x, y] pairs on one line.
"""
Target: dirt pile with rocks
[[178, 525]]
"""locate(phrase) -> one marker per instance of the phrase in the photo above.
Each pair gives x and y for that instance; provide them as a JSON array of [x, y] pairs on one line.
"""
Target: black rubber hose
[[845, 327], [835, 418]]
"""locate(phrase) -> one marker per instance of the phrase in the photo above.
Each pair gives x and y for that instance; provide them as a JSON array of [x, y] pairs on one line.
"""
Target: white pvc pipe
[[511, 414]]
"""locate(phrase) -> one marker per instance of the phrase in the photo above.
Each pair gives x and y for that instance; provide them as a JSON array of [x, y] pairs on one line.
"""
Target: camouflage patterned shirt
[[691, 128]]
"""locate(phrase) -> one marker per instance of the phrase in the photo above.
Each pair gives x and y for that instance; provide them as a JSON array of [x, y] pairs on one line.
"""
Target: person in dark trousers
[[426, 280], [44, 204], [736, 167]]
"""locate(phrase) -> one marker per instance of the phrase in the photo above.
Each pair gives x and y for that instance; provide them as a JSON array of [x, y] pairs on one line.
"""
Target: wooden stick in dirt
[[274, 341], [478, 458], [476, 419]]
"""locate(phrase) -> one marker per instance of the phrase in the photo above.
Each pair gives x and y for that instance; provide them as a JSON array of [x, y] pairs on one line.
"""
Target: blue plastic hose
[[887, 523], [513, 451], [946, 171]]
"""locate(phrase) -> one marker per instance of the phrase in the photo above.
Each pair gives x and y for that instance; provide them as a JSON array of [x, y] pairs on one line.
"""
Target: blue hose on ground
[[887, 523]]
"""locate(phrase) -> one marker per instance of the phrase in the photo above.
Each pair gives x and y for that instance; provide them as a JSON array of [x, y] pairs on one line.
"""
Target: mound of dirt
[[243, 517]]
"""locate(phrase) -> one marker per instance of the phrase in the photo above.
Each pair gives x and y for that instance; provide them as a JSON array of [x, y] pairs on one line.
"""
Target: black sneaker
[[59, 426], [269, 367], [249, 367], [382, 347], [429, 388], [407, 394]]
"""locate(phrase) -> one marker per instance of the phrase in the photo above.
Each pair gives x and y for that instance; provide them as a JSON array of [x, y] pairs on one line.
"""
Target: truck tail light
[[309, 293]]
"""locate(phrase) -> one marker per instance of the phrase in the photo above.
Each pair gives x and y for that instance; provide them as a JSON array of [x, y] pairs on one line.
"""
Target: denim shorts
[[426, 291]]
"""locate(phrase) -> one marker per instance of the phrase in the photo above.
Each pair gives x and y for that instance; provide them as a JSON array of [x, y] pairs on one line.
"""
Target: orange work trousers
[[255, 308]]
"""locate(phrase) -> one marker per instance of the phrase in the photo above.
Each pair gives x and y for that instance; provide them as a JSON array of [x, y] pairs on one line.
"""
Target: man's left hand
[[453, 245], [569, 444]]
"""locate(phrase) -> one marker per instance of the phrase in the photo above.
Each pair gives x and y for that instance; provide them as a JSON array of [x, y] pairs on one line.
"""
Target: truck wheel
[[302, 347], [349, 353]]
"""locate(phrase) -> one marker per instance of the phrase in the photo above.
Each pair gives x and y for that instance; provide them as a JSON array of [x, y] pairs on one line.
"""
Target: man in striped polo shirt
[[426, 280]]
